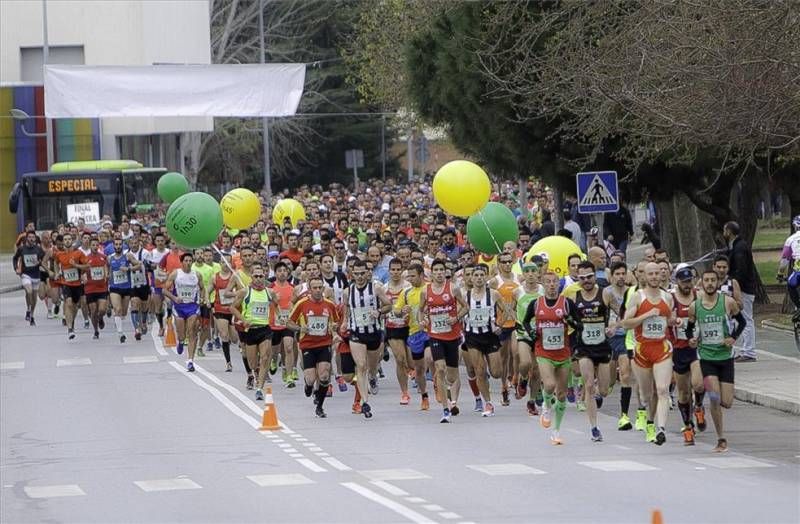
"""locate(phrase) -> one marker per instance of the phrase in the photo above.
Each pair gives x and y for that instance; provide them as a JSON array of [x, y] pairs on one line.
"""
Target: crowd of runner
[[384, 274]]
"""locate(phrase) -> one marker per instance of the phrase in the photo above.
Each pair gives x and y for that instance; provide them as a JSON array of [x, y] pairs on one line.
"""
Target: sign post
[[353, 159], [598, 192]]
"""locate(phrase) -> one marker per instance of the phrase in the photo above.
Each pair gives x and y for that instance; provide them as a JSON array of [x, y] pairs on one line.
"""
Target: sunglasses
[[586, 277], [258, 276], [505, 261]]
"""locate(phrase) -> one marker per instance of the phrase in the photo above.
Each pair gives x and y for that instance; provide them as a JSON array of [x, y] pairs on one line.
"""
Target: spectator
[[620, 226], [573, 227], [743, 269]]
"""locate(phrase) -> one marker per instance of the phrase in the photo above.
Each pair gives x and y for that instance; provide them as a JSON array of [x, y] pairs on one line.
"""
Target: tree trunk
[[522, 181], [669, 232], [558, 203], [190, 149], [693, 229], [749, 198]]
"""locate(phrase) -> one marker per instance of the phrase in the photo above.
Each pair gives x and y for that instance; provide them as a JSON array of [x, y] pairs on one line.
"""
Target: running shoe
[[454, 409], [688, 435], [721, 447], [33, 322], [624, 423], [101, 322], [596, 435], [366, 410], [291, 384], [85, 324], [380, 372], [122, 338], [671, 401], [268, 379], [342, 384], [144, 328], [56, 309], [190, 367], [228, 367], [356, 410], [641, 420], [404, 399], [478, 405], [555, 438], [428, 376], [200, 352], [506, 400], [413, 382], [70, 334], [217, 343], [544, 418], [309, 388], [661, 437], [650, 433], [571, 395], [373, 386], [259, 395], [27, 316], [294, 375], [285, 376], [522, 390], [385, 354], [179, 349], [488, 411], [137, 335], [445, 416], [251, 382], [580, 405], [532, 409], [319, 412], [700, 417], [273, 366], [598, 399], [425, 405], [96, 335], [329, 393]]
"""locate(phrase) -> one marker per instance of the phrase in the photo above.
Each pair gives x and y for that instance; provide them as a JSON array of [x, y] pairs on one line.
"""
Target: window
[[32, 60]]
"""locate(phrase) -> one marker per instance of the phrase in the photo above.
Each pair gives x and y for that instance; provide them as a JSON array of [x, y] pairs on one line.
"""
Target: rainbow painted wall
[[74, 139]]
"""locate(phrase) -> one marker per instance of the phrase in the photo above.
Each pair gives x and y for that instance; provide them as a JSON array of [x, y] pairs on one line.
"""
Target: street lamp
[[21, 116]]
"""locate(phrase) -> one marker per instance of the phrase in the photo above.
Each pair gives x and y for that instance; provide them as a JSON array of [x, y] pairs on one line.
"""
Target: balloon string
[[488, 230], [222, 257]]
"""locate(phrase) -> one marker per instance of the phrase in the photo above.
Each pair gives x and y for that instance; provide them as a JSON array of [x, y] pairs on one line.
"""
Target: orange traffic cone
[[657, 517], [269, 420], [170, 340]]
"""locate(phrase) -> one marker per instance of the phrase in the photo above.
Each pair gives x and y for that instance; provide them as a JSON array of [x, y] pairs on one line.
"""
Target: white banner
[[173, 90], [88, 211]]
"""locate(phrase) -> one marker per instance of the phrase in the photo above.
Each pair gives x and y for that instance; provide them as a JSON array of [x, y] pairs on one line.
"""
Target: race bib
[[282, 317], [138, 279], [260, 309], [120, 277], [225, 301], [186, 294], [654, 327], [161, 275], [30, 260], [612, 317], [479, 317], [711, 333], [680, 331], [97, 273], [71, 275], [440, 323], [394, 318], [318, 325], [362, 317], [552, 338], [593, 333]]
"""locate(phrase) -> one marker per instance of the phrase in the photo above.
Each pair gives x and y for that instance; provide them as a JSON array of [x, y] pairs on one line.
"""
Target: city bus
[[88, 190]]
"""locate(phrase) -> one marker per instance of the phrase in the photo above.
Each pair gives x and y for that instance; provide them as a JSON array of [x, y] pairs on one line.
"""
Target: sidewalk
[[773, 381], [9, 281]]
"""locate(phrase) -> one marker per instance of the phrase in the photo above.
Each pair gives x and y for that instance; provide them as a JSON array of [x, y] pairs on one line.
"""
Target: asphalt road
[[96, 431]]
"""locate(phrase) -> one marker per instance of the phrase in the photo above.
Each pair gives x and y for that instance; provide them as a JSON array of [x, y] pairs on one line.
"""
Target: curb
[[10, 289], [769, 401], [769, 324]]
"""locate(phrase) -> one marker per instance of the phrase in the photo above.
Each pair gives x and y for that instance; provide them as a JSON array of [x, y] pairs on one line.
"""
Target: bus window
[[141, 187], [48, 196]]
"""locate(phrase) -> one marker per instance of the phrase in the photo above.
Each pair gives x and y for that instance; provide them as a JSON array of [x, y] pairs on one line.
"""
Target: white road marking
[[308, 444], [11, 365], [212, 357], [393, 474], [731, 462], [296, 455], [575, 431], [298, 438], [618, 465], [398, 508], [73, 362], [310, 464], [167, 484], [157, 343], [781, 357], [416, 500], [336, 464], [292, 479], [139, 359], [46, 492], [623, 448], [290, 450], [322, 454], [314, 448], [449, 515], [285, 445], [219, 396], [389, 488], [433, 507], [506, 469]]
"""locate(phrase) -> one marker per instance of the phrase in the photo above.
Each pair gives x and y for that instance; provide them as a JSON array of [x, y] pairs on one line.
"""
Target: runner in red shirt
[[223, 318], [96, 287], [316, 319], [70, 263]]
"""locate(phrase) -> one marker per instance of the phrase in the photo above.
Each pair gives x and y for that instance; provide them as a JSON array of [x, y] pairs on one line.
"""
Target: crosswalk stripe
[[46, 492], [167, 484], [73, 362], [290, 479], [11, 365]]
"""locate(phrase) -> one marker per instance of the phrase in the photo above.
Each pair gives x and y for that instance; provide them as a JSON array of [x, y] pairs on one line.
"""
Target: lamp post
[[48, 124], [21, 116], [264, 120]]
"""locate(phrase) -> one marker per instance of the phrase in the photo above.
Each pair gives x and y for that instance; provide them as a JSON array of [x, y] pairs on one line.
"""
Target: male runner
[[649, 314], [408, 305], [140, 288], [159, 277], [27, 262], [614, 296], [529, 291], [96, 286], [282, 337], [711, 315], [788, 267], [222, 300], [397, 329], [185, 289], [70, 263], [315, 318], [119, 288], [442, 308], [506, 284]]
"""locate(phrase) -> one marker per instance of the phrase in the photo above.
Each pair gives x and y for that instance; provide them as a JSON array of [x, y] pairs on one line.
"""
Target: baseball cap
[[684, 273], [272, 254], [385, 206]]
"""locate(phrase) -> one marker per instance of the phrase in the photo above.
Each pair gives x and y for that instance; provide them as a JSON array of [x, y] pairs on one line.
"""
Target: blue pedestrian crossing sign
[[598, 192]]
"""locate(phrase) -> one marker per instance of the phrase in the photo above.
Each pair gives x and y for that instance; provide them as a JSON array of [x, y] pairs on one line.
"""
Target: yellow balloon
[[557, 248], [288, 207], [240, 208], [461, 188]]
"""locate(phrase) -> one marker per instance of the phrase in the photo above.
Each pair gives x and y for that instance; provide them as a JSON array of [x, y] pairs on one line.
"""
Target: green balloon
[[171, 186], [194, 220], [491, 227]]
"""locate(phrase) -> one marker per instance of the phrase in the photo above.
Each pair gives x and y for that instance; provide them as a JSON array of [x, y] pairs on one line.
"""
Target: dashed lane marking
[[506, 469], [393, 474], [731, 462], [46, 492], [167, 484], [73, 362], [139, 359], [336, 464], [4, 366], [398, 508], [390, 489], [618, 465], [292, 479]]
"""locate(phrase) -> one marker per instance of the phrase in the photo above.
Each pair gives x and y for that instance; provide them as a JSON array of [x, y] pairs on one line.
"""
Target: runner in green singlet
[[529, 291]]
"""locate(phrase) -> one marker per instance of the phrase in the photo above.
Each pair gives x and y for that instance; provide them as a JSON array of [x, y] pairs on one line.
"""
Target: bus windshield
[[140, 187]]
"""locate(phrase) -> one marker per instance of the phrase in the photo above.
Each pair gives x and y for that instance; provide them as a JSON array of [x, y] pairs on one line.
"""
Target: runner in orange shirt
[[70, 262]]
